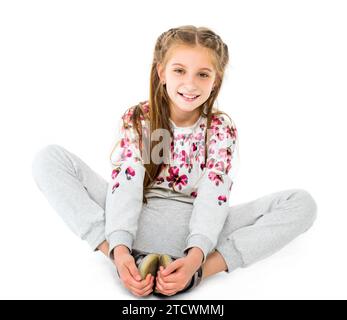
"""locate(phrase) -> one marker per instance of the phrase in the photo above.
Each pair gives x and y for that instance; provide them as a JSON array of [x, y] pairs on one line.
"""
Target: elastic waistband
[[169, 195]]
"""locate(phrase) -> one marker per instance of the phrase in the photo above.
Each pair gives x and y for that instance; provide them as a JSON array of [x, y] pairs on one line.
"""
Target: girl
[[164, 212]]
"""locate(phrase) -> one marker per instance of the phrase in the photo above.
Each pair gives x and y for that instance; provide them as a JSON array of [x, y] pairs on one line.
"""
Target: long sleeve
[[210, 207], [125, 191]]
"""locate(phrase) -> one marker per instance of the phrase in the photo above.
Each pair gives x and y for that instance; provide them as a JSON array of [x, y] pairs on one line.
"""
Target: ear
[[160, 72]]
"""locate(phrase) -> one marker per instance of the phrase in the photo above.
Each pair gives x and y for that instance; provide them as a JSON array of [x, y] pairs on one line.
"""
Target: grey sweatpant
[[252, 231]]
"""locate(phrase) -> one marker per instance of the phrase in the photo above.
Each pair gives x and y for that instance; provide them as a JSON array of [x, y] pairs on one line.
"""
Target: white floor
[[46, 261]]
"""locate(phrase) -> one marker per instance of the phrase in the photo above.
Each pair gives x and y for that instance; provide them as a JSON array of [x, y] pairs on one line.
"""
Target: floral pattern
[[187, 157], [175, 179]]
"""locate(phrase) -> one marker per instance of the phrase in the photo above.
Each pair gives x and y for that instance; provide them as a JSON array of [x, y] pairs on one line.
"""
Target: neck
[[183, 118]]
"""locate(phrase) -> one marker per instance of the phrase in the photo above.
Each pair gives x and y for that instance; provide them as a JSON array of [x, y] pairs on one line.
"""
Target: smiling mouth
[[188, 98]]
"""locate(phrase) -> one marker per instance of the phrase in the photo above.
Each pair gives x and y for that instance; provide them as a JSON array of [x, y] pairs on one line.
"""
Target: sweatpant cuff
[[231, 255], [96, 236]]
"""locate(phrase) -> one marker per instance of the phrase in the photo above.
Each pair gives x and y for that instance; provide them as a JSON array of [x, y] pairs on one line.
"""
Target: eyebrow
[[179, 64]]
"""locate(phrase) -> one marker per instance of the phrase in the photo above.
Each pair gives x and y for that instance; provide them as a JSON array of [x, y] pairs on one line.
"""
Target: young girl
[[164, 212]]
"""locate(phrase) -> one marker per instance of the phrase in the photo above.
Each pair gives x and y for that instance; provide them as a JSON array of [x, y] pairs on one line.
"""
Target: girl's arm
[[211, 204], [125, 190]]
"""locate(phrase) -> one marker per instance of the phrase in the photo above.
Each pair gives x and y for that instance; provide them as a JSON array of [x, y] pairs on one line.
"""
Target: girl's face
[[190, 72]]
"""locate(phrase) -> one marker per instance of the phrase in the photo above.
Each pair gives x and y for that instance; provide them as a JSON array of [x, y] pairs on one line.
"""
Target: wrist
[[196, 255], [121, 249], [104, 248]]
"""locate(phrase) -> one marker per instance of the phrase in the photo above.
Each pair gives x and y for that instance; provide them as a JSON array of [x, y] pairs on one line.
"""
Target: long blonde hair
[[158, 114]]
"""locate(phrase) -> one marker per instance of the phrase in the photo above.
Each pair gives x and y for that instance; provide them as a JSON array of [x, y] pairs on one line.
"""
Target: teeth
[[190, 97]]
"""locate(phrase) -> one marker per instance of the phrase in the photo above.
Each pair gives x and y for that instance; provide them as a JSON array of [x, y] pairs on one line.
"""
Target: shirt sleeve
[[210, 207], [125, 190]]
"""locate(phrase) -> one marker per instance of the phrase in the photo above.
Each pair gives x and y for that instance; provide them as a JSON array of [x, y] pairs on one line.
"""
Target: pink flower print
[[194, 152], [213, 142], [183, 158], [125, 142], [231, 132], [194, 194], [219, 166], [174, 155], [228, 132], [199, 136], [214, 130], [160, 180], [202, 166], [115, 172], [202, 126], [210, 163], [130, 172], [222, 199], [127, 153], [181, 138], [211, 147], [220, 136], [223, 152], [175, 179], [115, 186], [128, 115], [216, 178], [145, 107], [189, 167], [228, 167], [226, 154], [216, 121]]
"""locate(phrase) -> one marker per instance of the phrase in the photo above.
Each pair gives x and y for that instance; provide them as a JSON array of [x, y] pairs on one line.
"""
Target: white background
[[69, 69]]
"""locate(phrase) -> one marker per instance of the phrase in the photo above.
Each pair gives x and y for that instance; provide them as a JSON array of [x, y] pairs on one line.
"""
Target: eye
[[204, 75]]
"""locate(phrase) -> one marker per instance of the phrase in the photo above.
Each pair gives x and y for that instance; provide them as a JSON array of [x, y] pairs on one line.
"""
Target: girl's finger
[[135, 291], [147, 280], [166, 285], [170, 278], [139, 285], [134, 271], [163, 291], [149, 286], [146, 290], [143, 291], [145, 284]]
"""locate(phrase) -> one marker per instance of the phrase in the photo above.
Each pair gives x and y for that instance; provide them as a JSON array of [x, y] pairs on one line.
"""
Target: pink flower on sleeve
[[130, 172], [217, 179], [219, 166], [125, 142], [222, 199], [215, 120], [115, 186], [115, 172]]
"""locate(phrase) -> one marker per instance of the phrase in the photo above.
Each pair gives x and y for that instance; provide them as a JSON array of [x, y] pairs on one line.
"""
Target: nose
[[189, 84]]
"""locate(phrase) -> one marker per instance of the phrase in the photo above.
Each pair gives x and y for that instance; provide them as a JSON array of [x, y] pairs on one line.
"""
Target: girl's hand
[[129, 274], [176, 275]]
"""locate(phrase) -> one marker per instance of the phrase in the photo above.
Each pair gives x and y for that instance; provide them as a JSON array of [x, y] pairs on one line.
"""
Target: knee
[[308, 212], [42, 160]]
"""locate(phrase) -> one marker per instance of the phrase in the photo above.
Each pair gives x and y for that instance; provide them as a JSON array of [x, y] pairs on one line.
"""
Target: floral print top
[[207, 185]]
